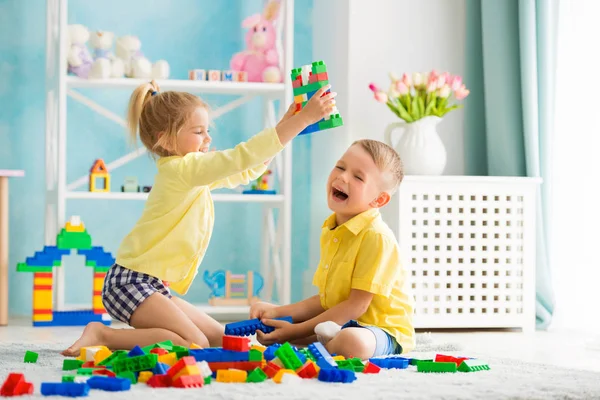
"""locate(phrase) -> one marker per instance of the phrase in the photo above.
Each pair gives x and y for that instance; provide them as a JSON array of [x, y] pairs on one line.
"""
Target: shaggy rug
[[507, 379]]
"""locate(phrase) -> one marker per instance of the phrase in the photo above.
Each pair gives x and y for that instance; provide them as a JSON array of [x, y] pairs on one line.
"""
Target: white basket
[[469, 244]]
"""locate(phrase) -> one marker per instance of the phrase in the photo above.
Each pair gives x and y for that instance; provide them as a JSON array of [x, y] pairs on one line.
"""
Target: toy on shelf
[[99, 171], [131, 185], [79, 59], [233, 289], [106, 64], [72, 237], [216, 75], [306, 81], [261, 58], [261, 186], [136, 64]]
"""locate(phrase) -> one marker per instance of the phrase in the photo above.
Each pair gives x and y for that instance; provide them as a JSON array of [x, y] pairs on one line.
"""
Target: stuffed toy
[[260, 60], [106, 65], [79, 60], [135, 64]]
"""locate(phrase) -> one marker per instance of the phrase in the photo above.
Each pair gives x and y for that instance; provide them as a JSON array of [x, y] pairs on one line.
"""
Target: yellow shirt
[[364, 254], [170, 238]]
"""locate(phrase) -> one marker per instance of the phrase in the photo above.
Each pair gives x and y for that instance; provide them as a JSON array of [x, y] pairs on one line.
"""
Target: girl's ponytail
[[139, 97]]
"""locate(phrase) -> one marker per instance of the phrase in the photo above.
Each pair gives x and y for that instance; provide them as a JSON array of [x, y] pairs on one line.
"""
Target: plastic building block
[[336, 375], [30, 357], [108, 361], [389, 363], [48, 257], [219, 355], [324, 359], [70, 365], [68, 378], [236, 343], [167, 345], [69, 389], [180, 351], [169, 359], [144, 376], [101, 355], [269, 353], [72, 318], [129, 375], [432, 366], [15, 385], [352, 364], [249, 327], [159, 352], [97, 257], [256, 376], [255, 355], [189, 381], [88, 364], [157, 381], [241, 365], [231, 376], [73, 240], [86, 371], [307, 354], [371, 368], [271, 369], [473, 365], [139, 363], [443, 358], [109, 384], [415, 361], [288, 357], [279, 376], [160, 369], [185, 366], [103, 372], [308, 370], [136, 351], [253, 191]]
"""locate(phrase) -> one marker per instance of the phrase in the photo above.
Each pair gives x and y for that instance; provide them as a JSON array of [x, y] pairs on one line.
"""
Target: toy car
[[130, 184]]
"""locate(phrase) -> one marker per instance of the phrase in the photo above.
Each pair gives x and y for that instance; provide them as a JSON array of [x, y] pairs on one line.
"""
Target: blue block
[[336, 375], [136, 351], [46, 257], [97, 254], [324, 359], [219, 355], [160, 368], [259, 192], [109, 384], [391, 362], [72, 318], [310, 129], [69, 389], [269, 353], [250, 326]]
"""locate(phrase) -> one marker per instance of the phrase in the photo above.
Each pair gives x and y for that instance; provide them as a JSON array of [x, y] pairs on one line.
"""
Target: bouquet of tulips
[[414, 97]]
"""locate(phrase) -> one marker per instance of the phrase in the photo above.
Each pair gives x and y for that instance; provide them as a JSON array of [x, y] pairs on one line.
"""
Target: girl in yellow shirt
[[171, 237]]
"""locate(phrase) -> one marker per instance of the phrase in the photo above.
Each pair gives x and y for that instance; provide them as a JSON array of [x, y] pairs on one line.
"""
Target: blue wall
[[188, 34]]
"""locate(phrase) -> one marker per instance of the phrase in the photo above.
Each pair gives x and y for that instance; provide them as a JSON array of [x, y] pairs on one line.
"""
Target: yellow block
[[98, 284], [300, 98], [97, 303], [38, 280], [101, 355], [42, 300], [42, 317], [169, 359], [187, 370], [258, 347], [83, 355], [144, 376], [94, 177], [279, 375], [231, 376], [74, 228], [339, 358], [278, 362], [196, 346]]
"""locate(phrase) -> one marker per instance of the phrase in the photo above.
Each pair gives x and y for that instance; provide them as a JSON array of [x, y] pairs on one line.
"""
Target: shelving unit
[[276, 235]]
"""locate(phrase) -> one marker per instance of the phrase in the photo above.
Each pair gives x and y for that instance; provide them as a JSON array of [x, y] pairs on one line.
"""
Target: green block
[[308, 354], [473, 366], [128, 375], [167, 345], [57, 263], [416, 361], [73, 240], [68, 378], [344, 364], [430, 366], [256, 376], [30, 357], [90, 263], [333, 122], [86, 371], [295, 73], [352, 364], [318, 67], [108, 361], [23, 267], [134, 364], [255, 355], [70, 365], [311, 87], [180, 351], [207, 380], [288, 357]]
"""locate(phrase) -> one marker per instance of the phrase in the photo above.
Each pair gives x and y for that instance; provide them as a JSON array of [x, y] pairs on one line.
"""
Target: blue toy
[[233, 289]]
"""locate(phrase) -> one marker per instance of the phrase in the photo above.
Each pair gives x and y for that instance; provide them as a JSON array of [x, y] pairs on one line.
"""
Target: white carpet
[[506, 380]]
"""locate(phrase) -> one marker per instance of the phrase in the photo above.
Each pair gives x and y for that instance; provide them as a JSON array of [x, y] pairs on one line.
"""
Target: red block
[[104, 372], [371, 368], [15, 385], [89, 364], [181, 364], [159, 351], [243, 365], [158, 381], [296, 83], [456, 360], [189, 381], [318, 77], [271, 369], [236, 343], [307, 371]]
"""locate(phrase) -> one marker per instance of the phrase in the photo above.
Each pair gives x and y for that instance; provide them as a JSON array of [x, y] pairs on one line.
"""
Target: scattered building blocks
[[99, 171], [30, 357], [249, 327], [69, 389], [473, 365], [432, 366], [109, 384], [15, 385], [288, 357]]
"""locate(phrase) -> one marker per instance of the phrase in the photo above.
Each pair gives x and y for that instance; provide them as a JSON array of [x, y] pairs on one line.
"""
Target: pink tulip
[[443, 79], [445, 91], [407, 80], [393, 77], [461, 93], [431, 87], [433, 76], [374, 88], [401, 88], [456, 82], [381, 97]]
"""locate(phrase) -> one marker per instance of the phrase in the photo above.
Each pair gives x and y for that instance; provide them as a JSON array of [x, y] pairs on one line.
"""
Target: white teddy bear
[[106, 65], [79, 60], [135, 64]]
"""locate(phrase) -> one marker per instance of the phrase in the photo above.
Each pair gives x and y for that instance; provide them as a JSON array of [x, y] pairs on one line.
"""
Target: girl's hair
[[158, 117]]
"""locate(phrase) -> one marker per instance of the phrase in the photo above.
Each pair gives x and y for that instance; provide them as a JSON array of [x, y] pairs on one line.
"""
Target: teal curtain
[[510, 70]]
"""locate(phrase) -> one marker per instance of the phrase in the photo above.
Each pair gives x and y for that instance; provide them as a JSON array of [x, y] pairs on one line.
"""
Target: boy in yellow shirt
[[364, 308]]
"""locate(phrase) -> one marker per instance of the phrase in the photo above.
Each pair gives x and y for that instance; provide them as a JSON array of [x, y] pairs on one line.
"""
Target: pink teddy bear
[[260, 60]]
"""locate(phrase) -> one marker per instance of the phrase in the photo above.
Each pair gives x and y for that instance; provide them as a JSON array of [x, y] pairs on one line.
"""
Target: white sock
[[326, 331]]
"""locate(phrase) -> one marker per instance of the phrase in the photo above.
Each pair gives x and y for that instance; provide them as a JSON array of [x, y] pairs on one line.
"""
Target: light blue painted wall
[[187, 33]]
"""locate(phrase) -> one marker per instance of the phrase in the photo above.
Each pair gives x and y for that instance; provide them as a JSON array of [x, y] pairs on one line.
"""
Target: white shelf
[[217, 197], [233, 88]]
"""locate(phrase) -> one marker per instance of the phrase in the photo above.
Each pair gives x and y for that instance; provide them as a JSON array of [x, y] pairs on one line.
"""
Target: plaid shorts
[[124, 290]]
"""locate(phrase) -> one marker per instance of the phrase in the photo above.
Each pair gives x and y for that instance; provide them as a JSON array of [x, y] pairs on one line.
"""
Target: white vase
[[420, 147]]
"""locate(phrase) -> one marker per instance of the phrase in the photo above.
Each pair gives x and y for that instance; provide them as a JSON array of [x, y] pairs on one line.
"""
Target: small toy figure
[[261, 186]]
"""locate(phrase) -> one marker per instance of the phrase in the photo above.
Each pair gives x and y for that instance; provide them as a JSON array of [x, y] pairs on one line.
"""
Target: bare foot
[[91, 336]]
